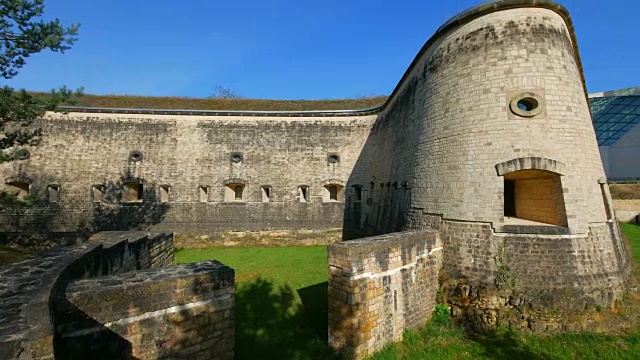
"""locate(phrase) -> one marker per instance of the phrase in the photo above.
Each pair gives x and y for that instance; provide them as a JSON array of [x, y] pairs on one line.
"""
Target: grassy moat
[[281, 313]]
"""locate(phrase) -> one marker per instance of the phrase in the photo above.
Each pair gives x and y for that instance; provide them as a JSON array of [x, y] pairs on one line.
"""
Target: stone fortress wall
[[452, 149], [186, 171]]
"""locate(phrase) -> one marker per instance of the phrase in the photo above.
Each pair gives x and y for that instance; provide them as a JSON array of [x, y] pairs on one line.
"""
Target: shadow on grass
[[505, 345], [272, 324]]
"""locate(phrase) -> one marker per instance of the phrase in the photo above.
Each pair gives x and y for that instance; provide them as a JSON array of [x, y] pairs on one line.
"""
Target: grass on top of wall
[[281, 313], [184, 103]]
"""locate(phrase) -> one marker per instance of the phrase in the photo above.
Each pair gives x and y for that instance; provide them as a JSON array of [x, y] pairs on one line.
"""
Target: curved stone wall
[[450, 124], [452, 137], [111, 297]]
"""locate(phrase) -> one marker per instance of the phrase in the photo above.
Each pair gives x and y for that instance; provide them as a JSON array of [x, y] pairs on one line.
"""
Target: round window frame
[[513, 105], [236, 158], [22, 154], [136, 156], [333, 158]]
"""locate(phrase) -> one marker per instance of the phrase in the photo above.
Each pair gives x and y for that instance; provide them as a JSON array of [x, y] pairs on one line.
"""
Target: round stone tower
[[491, 131]]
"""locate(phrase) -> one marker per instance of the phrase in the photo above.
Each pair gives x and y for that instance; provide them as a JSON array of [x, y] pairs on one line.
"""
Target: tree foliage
[[23, 33], [18, 110]]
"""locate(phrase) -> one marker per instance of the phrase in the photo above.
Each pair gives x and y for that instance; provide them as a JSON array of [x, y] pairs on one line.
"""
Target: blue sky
[[286, 49]]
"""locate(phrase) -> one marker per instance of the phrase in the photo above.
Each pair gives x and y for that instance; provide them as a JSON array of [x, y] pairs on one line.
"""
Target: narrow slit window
[[238, 192], [509, 198], [53, 193], [132, 192], [266, 193], [358, 192], [203, 193], [97, 193], [164, 193], [303, 193]]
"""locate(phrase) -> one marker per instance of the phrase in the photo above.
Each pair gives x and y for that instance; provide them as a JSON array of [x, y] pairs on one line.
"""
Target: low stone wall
[[141, 250], [34, 309], [184, 311], [380, 286], [627, 210]]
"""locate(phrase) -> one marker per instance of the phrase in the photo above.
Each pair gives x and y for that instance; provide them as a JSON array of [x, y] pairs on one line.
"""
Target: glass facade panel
[[613, 116]]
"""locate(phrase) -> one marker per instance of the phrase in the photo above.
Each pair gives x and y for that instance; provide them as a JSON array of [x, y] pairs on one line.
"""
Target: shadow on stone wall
[[270, 324], [380, 172], [38, 224], [85, 337], [115, 215]]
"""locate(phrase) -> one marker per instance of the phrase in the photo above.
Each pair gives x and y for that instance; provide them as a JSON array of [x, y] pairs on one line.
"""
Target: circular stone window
[[236, 157], [333, 158], [135, 156], [22, 154], [527, 105]]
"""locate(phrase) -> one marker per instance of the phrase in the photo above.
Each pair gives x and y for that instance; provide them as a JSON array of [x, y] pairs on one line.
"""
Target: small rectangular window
[[97, 193], [233, 192], [203, 193], [266, 193], [53, 193], [164, 193], [132, 192], [333, 193]]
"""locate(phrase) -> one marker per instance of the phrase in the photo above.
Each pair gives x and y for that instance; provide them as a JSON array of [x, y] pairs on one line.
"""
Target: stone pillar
[[379, 287]]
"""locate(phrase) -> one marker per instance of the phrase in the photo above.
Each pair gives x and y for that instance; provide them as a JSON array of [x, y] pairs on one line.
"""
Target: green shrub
[[441, 314]]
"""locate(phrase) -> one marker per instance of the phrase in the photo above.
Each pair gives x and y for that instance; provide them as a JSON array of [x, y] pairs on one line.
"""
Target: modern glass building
[[616, 119]]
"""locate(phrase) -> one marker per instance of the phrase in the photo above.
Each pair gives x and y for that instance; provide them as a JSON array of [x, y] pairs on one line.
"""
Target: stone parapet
[[379, 287], [35, 313], [184, 311]]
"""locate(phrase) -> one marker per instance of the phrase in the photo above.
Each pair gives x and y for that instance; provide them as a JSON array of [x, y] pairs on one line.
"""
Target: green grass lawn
[[633, 233], [281, 313], [281, 299]]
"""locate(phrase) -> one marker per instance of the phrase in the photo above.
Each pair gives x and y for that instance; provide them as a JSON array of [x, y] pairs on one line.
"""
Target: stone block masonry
[[115, 312], [379, 287], [186, 166], [184, 311]]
